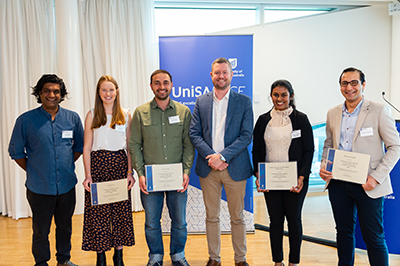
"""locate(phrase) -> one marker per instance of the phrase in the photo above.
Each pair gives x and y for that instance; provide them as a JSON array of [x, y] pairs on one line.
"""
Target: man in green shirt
[[160, 135]]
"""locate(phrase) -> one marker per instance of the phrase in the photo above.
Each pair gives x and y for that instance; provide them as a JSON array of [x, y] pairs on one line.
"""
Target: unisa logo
[[233, 62]]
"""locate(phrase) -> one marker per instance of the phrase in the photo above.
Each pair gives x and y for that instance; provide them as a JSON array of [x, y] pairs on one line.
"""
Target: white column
[[69, 68], [395, 80]]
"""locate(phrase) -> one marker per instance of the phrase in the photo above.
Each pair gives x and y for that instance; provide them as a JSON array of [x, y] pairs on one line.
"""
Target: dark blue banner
[[391, 213], [189, 59]]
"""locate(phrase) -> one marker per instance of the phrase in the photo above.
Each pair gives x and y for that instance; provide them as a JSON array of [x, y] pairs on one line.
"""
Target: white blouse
[[107, 138], [278, 136]]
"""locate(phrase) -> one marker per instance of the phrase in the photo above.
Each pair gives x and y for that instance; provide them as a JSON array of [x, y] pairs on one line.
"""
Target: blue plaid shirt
[[49, 147]]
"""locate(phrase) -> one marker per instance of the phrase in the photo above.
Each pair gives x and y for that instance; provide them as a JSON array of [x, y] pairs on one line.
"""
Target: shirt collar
[[154, 104], [226, 95], [358, 107], [47, 113]]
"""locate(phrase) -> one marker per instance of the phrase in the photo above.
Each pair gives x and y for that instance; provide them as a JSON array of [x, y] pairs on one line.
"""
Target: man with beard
[[160, 135], [363, 126], [221, 129]]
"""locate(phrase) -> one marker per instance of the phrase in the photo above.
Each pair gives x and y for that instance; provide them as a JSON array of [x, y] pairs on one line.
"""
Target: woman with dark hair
[[106, 158], [284, 135]]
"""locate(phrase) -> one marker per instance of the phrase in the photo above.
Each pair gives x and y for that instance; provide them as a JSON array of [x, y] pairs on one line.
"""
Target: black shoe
[[101, 259], [117, 258], [67, 263]]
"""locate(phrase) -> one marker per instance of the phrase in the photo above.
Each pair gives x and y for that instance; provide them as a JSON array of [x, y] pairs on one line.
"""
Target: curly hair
[[49, 78]]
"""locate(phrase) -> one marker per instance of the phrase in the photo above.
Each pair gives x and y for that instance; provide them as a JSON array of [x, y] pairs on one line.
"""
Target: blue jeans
[[153, 205], [347, 199]]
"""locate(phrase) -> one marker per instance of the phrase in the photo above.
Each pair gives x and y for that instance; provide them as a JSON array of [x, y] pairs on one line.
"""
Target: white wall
[[311, 52]]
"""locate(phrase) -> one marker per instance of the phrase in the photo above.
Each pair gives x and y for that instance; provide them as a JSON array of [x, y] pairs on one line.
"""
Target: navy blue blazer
[[238, 134]]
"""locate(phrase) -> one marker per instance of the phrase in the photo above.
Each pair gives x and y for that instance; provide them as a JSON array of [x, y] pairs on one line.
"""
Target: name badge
[[296, 134], [174, 119], [120, 128], [67, 134], [367, 131]]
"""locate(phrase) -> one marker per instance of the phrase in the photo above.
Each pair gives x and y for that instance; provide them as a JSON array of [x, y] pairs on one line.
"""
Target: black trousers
[[281, 204], [44, 207]]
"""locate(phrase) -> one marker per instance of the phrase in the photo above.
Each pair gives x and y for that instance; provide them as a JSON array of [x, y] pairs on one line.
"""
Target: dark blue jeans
[[44, 207], [153, 205], [346, 200]]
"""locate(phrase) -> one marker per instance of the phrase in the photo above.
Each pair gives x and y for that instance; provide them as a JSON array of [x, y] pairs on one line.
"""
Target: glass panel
[[278, 15], [319, 138]]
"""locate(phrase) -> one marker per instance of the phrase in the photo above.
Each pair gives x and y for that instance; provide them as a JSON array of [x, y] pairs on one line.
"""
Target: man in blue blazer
[[220, 130], [362, 126]]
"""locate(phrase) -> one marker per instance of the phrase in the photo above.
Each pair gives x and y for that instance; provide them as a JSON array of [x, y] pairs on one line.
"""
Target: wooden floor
[[15, 239]]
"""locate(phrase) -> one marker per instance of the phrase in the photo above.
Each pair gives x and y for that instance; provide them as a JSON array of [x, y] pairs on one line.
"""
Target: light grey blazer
[[378, 117]]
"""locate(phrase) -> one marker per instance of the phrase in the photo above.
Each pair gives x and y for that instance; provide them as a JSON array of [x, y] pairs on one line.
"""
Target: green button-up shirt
[[160, 137]]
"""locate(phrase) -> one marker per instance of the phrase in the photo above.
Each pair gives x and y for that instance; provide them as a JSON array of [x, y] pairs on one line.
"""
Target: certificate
[[348, 166], [164, 177], [109, 191], [277, 176]]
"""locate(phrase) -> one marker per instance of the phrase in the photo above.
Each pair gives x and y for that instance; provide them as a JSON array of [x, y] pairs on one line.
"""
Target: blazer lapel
[[361, 117], [209, 108], [231, 106], [337, 124]]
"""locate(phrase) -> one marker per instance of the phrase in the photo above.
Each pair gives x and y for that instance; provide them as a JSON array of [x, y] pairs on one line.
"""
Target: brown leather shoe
[[213, 263], [242, 263]]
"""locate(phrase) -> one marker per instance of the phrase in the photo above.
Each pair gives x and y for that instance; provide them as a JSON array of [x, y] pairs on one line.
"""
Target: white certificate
[[277, 176], [164, 177], [109, 191], [348, 166]]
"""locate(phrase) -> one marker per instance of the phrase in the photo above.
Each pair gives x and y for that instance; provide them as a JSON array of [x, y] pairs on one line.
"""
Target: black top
[[301, 149]]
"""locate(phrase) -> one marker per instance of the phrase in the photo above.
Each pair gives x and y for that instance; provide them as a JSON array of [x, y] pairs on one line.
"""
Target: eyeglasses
[[352, 83]]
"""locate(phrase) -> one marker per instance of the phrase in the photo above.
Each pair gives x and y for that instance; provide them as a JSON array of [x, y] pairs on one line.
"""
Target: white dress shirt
[[220, 108]]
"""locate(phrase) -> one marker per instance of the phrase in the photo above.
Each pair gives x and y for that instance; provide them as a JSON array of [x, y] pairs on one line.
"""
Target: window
[[188, 18], [199, 21], [271, 15]]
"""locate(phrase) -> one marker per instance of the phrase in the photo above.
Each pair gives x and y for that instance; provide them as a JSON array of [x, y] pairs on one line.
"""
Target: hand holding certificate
[[109, 191], [278, 176], [348, 166], [164, 177]]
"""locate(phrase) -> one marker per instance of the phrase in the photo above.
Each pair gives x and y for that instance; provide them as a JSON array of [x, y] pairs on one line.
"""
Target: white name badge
[[296, 134], [174, 119], [120, 128], [67, 134], [366, 132]]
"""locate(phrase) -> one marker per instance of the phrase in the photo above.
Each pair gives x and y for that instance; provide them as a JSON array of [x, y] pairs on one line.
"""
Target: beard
[[227, 84], [163, 97]]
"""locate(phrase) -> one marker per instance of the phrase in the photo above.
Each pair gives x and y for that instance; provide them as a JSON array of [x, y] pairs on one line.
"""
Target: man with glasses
[[363, 126]]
